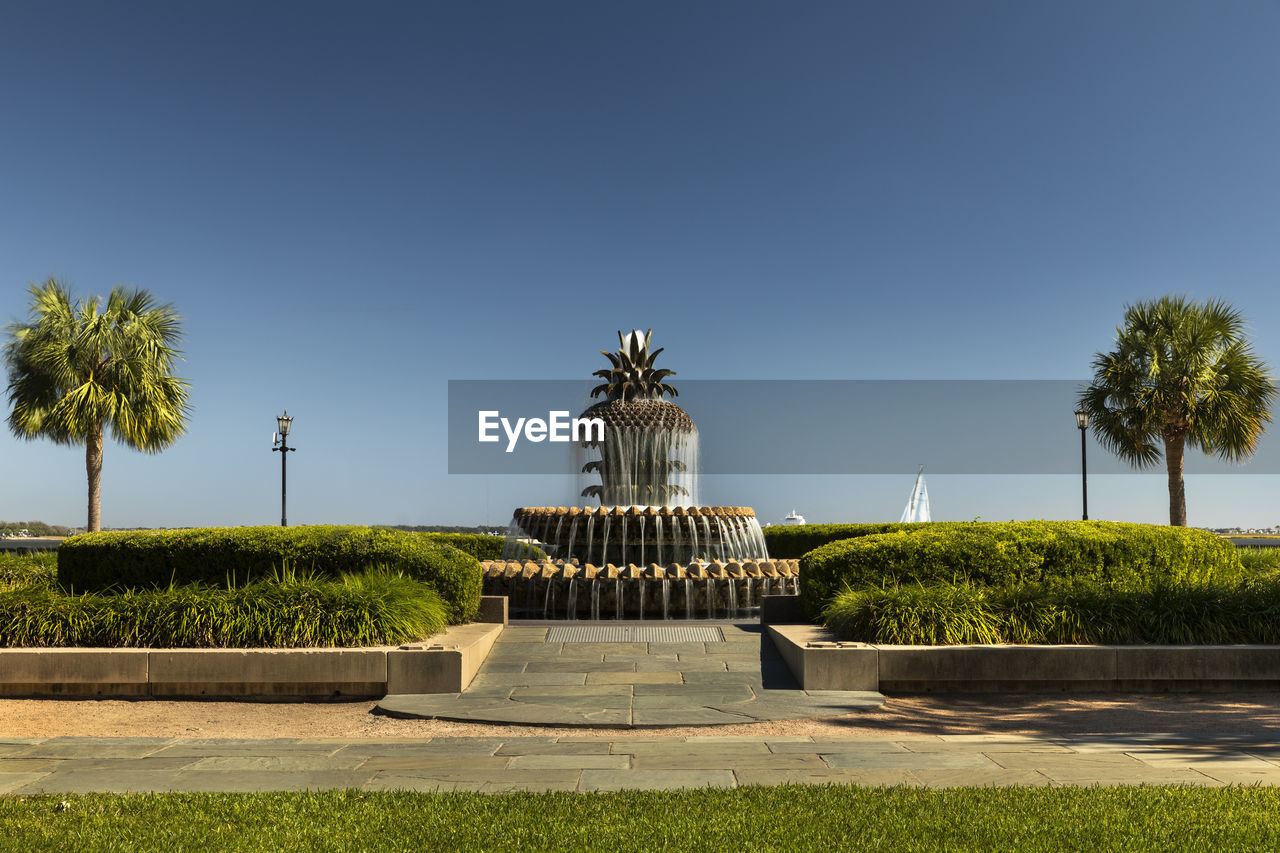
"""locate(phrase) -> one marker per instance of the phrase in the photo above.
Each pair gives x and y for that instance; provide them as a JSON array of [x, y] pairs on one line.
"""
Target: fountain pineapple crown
[[633, 389], [633, 376]]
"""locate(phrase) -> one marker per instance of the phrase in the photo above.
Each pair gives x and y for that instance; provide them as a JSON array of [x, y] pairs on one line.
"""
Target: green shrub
[[375, 607], [24, 568], [478, 546], [484, 547], [950, 614], [793, 541], [234, 556], [1014, 553]]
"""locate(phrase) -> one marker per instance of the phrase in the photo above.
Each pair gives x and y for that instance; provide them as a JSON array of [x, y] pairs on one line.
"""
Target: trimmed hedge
[[478, 546], [234, 556], [956, 614], [793, 541], [288, 611], [995, 554], [484, 547]]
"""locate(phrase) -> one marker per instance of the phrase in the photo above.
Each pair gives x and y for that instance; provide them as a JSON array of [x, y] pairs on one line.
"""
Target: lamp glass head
[[1082, 418], [283, 421]]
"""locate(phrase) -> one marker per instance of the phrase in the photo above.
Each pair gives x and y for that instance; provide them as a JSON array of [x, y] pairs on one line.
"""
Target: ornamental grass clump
[[955, 614], [1260, 561], [943, 615], [289, 610], [1035, 613], [22, 569]]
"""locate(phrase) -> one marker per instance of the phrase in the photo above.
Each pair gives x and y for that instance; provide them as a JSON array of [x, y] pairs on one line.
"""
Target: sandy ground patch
[[1030, 714]]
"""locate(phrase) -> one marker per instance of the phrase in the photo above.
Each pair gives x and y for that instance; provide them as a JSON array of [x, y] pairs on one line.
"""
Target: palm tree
[[75, 368], [1181, 373]]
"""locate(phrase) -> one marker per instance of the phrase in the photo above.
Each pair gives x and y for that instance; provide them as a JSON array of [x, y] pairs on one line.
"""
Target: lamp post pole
[[1082, 421], [283, 423]]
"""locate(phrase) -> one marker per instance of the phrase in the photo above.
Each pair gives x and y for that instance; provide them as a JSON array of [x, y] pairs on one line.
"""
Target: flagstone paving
[[85, 765], [529, 681]]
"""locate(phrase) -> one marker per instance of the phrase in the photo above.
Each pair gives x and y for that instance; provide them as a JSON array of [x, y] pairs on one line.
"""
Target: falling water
[[729, 533], [624, 541], [623, 467], [720, 530], [604, 543]]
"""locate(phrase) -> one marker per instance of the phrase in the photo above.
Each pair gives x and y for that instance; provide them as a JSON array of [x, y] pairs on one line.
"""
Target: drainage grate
[[636, 634]]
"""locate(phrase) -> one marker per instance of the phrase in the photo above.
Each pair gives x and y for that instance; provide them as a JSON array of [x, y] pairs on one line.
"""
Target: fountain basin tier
[[622, 535], [548, 589], [653, 571]]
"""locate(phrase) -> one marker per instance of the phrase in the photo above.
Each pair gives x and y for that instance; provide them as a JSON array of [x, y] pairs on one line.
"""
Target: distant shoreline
[[31, 543]]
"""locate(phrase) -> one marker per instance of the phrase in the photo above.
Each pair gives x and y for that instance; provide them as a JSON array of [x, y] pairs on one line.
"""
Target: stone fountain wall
[[715, 590]]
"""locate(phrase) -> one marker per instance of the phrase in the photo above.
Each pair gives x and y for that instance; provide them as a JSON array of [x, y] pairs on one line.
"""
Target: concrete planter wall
[[820, 661], [444, 664]]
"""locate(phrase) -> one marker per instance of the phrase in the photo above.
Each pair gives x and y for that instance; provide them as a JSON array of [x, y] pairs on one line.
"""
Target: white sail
[[918, 505]]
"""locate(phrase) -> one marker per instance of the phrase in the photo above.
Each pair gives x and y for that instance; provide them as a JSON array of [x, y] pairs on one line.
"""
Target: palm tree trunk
[[93, 466], [1173, 453]]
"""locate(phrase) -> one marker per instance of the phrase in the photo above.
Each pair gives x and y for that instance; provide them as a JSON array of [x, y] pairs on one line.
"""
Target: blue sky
[[352, 204]]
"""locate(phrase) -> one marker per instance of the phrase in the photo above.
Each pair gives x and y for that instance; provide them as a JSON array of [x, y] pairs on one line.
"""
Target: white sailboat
[[918, 505]]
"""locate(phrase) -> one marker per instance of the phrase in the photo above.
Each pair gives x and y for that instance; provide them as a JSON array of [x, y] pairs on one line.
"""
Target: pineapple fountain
[[648, 550]]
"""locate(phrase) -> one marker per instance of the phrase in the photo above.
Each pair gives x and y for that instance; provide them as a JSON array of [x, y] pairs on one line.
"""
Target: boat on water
[[794, 518], [917, 508]]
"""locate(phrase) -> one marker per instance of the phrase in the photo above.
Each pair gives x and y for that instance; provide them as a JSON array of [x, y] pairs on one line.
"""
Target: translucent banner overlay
[[819, 427]]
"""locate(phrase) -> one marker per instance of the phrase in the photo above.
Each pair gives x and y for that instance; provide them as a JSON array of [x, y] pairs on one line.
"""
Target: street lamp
[[1082, 421], [283, 422]]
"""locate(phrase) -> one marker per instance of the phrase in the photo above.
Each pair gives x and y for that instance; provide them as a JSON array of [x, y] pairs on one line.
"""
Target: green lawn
[[791, 818]]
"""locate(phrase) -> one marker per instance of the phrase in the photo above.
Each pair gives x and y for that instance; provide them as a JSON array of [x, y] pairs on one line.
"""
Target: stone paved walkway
[[530, 681], [83, 765]]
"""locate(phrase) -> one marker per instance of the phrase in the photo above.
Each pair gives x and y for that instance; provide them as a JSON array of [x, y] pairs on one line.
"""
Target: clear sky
[[352, 204]]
